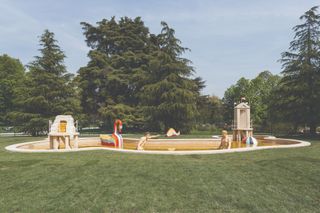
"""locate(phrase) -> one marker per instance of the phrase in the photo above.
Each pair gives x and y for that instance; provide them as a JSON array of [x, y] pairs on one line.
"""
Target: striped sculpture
[[115, 140]]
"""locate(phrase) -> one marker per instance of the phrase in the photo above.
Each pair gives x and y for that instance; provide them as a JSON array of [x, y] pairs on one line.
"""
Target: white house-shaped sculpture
[[63, 129], [242, 123]]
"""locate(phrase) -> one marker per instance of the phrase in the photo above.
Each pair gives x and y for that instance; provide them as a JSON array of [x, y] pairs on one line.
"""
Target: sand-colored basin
[[163, 146]]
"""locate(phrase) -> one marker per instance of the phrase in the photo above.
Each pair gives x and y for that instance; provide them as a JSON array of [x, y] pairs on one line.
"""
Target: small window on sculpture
[[63, 126]]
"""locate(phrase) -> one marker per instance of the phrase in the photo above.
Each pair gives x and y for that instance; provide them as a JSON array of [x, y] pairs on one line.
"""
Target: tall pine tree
[[170, 94], [47, 91], [298, 98]]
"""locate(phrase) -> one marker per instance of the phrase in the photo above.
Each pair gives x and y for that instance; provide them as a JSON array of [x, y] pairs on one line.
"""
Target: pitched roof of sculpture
[[243, 105]]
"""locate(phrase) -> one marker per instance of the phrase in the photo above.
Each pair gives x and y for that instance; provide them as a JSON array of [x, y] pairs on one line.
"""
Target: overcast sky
[[228, 38]]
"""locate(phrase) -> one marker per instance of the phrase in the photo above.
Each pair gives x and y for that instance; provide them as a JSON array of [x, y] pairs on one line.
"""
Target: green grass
[[280, 180]]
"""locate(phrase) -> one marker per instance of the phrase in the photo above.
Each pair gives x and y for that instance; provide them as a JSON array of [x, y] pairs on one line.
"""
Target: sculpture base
[[239, 134]]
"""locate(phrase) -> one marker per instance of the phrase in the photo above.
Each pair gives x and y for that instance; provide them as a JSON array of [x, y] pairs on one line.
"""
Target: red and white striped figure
[[115, 140]]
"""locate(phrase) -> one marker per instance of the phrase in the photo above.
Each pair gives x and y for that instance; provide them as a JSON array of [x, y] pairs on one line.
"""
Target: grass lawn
[[280, 180]]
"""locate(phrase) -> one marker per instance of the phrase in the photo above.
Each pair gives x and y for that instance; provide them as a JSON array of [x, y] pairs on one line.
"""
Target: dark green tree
[[299, 93], [110, 82], [137, 76], [47, 91], [210, 110], [170, 94], [262, 88], [11, 77]]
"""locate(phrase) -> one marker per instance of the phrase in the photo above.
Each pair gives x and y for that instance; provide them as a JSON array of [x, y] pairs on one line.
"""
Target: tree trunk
[[313, 128]]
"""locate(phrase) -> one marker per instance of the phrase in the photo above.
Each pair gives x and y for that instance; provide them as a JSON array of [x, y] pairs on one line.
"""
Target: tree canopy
[[137, 76], [258, 92], [298, 97], [169, 94], [144, 79], [47, 90], [11, 77]]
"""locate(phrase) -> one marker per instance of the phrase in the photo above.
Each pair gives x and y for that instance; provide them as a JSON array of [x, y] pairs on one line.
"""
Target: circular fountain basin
[[164, 146]]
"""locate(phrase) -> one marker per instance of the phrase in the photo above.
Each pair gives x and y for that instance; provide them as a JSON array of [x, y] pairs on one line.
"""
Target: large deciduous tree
[[258, 92], [298, 97], [110, 82], [210, 110], [47, 90], [233, 94], [11, 78], [137, 76]]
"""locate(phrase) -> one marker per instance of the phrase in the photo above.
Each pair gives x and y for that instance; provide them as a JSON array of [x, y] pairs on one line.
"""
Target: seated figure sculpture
[[225, 141]]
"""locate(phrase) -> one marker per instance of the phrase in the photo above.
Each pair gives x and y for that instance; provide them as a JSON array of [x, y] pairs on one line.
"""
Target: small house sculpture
[[242, 126], [63, 130]]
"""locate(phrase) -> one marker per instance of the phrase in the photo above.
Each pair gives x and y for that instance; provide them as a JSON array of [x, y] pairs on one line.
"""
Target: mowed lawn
[[280, 180]]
